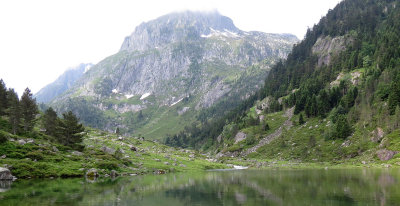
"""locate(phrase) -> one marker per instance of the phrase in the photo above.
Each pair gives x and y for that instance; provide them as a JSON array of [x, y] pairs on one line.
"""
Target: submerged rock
[[5, 174]]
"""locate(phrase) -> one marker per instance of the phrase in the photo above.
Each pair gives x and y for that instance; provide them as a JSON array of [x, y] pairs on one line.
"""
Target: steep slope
[[340, 86], [62, 83], [171, 68]]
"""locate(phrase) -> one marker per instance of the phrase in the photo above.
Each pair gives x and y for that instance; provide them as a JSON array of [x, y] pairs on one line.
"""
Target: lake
[[239, 187]]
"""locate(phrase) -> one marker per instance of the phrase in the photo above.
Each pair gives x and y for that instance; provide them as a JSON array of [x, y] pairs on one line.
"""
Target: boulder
[[77, 153], [108, 150], [240, 136], [385, 154], [113, 173], [219, 138], [21, 142], [133, 149], [5, 174], [377, 135], [92, 173], [55, 149]]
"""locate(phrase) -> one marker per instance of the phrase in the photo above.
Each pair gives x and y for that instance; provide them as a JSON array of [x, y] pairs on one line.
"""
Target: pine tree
[[3, 97], [394, 95], [342, 129], [50, 121], [13, 110], [301, 119], [29, 110], [70, 131]]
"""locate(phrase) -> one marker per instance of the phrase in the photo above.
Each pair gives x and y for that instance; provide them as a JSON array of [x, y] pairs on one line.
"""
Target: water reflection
[[259, 187]]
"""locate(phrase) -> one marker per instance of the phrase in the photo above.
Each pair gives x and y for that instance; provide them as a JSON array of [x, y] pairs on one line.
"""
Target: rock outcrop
[[5, 174], [385, 154]]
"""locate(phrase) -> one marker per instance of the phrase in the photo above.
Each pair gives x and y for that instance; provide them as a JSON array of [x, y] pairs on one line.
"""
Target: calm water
[[249, 187]]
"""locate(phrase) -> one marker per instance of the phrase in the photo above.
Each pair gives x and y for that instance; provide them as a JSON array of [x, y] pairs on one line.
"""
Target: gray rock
[[92, 173], [3, 156], [55, 149], [5, 174], [21, 142], [108, 150], [113, 173], [385, 154], [240, 136], [377, 135], [191, 155], [166, 163], [77, 153], [133, 149]]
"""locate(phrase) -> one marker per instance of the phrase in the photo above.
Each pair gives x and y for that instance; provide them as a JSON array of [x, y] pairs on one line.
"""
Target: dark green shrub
[[107, 165], [35, 155], [3, 138]]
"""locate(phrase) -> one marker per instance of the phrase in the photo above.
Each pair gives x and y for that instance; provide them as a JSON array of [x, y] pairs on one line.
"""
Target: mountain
[[62, 83], [335, 98], [169, 70]]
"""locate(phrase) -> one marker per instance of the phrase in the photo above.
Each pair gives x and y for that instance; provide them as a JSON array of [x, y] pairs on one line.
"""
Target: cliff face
[[191, 54]]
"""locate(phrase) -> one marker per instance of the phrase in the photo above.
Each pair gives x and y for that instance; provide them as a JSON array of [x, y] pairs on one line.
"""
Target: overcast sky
[[40, 39]]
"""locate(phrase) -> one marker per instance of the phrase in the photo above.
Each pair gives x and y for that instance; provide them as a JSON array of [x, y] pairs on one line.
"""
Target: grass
[[40, 160]]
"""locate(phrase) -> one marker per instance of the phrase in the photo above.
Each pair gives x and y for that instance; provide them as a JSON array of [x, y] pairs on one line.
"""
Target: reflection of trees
[[270, 187]]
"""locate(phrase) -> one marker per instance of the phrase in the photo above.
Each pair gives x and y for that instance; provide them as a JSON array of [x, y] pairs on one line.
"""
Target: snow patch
[[145, 95], [128, 96], [115, 91], [217, 33], [176, 102]]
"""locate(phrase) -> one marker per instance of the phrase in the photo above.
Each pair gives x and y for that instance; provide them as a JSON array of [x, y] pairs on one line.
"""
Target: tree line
[[23, 115], [374, 26]]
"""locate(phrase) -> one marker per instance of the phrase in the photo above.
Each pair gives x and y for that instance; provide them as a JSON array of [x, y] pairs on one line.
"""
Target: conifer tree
[[13, 110], [394, 95], [342, 129], [301, 119], [50, 121], [70, 131], [3, 97], [29, 110]]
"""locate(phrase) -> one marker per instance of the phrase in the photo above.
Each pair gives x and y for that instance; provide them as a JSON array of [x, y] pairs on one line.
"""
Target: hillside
[[62, 83], [169, 70], [335, 98]]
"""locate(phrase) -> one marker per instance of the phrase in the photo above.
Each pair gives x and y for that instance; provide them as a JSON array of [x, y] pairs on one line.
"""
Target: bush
[[35, 155], [107, 165], [3, 137]]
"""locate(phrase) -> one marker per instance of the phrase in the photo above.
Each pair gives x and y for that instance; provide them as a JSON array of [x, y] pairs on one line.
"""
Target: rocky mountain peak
[[179, 26]]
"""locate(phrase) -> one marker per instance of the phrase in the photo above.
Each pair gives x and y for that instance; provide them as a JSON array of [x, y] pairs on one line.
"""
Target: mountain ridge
[[62, 83], [183, 68]]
